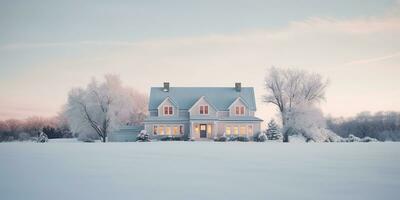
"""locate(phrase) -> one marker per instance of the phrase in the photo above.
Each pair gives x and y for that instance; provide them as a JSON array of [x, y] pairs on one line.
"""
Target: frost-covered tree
[[296, 94], [273, 132], [101, 107]]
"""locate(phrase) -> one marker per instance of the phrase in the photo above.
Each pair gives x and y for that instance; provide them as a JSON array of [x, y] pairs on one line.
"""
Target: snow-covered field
[[199, 170]]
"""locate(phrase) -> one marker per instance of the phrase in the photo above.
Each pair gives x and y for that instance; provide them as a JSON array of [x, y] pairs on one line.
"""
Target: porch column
[[214, 129], [191, 130]]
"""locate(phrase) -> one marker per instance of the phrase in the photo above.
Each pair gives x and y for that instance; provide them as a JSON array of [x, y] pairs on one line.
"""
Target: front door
[[203, 130]]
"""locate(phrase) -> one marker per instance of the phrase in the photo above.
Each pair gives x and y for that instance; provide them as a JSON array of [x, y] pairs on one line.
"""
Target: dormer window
[[239, 110], [168, 110], [203, 110]]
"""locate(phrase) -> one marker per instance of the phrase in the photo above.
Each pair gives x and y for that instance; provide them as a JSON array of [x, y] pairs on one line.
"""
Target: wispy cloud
[[371, 60]]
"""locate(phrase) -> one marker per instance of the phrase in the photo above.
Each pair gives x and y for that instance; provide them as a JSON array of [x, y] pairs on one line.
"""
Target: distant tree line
[[384, 126], [20, 130]]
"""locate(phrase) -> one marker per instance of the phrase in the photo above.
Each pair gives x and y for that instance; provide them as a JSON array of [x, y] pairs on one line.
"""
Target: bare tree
[[102, 107], [290, 89]]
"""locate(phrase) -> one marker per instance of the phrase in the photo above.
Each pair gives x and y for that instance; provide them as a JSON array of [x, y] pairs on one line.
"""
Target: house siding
[[191, 118], [195, 111]]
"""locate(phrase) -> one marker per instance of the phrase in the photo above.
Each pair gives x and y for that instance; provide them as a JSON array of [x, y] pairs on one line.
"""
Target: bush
[[262, 137], [42, 138], [171, 138], [353, 138], [221, 139], [143, 137], [238, 138]]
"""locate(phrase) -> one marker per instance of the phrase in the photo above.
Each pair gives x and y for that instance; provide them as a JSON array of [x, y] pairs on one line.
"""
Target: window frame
[[228, 130], [168, 110], [155, 129], [240, 110], [250, 127], [181, 129], [204, 109]]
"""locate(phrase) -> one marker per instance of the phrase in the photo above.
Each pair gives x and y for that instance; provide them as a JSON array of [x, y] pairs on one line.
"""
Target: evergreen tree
[[273, 131]]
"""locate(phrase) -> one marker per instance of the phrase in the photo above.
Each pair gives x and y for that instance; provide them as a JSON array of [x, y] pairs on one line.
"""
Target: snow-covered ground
[[199, 170]]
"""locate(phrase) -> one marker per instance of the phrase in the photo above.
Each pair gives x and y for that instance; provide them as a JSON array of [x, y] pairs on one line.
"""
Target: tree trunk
[[286, 132]]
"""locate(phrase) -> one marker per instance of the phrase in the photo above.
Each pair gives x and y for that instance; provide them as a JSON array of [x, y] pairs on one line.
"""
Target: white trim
[[240, 107], [237, 99], [170, 100], [163, 110], [208, 109], [208, 102]]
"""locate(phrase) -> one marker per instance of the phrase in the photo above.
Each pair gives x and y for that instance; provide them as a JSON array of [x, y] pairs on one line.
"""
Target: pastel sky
[[48, 47]]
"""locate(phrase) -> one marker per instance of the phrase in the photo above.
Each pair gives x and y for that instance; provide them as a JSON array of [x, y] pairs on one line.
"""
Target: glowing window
[[235, 130], [227, 130], [242, 130], [161, 130], [209, 129], [196, 128], [168, 130], [249, 130], [175, 130]]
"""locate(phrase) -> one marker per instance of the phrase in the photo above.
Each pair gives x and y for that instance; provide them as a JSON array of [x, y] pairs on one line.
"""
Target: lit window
[[209, 129], [155, 130], [235, 130], [242, 130], [181, 129], [161, 130], [227, 130], [196, 128], [168, 130], [175, 130], [168, 110], [249, 130]]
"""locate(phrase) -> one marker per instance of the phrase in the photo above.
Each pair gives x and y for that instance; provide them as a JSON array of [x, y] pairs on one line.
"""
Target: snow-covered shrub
[[143, 137], [273, 132], [353, 138], [238, 138], [171, 138], [221, 139], [369, 139], [42, 138], [308, 121], [262, 137]]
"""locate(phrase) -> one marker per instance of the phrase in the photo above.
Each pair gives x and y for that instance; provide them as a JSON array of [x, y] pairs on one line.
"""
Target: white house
[[202, 113]]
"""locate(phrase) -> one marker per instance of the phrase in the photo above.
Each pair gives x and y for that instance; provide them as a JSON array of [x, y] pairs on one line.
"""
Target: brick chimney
[[238, 87], [166, 87]]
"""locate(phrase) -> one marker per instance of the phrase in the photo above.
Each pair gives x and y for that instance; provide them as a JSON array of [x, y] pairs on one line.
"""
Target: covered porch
[[203, 130]]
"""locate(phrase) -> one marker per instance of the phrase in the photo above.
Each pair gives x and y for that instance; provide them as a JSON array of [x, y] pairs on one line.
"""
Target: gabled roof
[[220, 97], [205, 99], [239, 99], [168, 99]]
